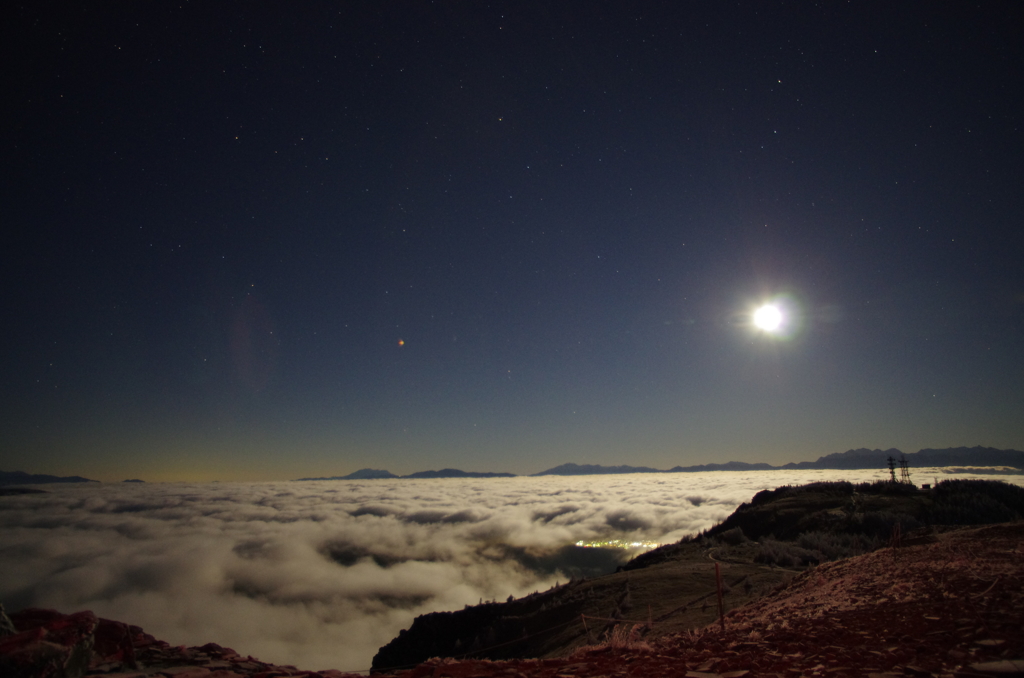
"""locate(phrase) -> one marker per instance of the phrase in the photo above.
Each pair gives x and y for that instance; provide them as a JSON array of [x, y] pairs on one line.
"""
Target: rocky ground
[[677, 594], [952, 607]]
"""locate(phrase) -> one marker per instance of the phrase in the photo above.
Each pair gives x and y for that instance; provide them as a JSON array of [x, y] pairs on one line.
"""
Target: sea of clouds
[[321, 574]]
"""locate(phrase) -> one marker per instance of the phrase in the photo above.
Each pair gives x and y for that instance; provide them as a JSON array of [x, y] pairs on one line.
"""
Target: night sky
[[248, 241]]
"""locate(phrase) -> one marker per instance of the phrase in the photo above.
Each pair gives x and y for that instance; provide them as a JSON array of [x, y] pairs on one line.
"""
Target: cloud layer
[[321, 574]]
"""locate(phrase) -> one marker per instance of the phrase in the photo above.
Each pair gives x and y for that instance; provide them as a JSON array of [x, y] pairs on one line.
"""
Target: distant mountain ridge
[[727, 466], [376, 474], [593, 469], [22, 478], [456, 473], [860, 458], [953, 456], [361, 474]]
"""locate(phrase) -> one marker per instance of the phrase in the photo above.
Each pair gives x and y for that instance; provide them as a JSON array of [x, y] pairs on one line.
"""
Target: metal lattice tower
[[904, 471]]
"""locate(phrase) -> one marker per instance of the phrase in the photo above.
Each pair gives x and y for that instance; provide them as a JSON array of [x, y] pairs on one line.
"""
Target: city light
[[618, 544]]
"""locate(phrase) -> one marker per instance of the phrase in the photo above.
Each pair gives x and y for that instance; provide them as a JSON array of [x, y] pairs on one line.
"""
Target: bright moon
[[768, 318]]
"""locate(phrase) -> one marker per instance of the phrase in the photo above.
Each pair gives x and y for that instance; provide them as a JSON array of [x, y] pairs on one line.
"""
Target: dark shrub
[[839, 488], [879, 524], [833, 546], [972, 502], [733, 537], [784, 554], [887, 488]]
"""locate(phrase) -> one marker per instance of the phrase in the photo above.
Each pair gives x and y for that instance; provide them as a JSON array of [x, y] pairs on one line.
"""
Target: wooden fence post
[[718, 582]]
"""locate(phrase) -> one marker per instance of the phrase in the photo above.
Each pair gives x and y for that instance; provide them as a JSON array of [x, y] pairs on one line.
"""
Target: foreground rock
[[48, 644]]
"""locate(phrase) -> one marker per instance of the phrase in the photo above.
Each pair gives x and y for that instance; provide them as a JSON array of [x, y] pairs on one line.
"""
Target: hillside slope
[[949, 608], [761, 545]]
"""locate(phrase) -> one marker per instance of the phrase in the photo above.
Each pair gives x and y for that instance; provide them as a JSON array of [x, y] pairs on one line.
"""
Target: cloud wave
[[321, 574]]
